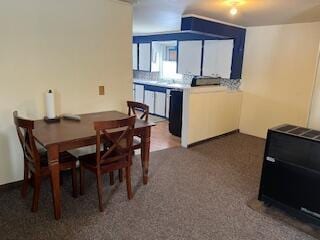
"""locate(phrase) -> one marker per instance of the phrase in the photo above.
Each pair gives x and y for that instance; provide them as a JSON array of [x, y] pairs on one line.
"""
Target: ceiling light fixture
[[233, 11], [234, 4]]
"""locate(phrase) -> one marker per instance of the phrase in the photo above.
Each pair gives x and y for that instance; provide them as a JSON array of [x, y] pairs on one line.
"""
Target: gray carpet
[[305, 225], [197, 193]]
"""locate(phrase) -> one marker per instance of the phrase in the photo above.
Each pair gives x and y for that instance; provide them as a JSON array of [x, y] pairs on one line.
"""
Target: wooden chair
[[36, 162], [117, 156], [133, 109], [141, 107]]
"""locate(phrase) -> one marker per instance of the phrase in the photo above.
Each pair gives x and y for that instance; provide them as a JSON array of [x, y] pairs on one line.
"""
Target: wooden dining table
[[68, 134]]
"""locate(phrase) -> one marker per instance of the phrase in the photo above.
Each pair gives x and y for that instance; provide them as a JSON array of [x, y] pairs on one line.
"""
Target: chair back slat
[[133, 106], [119, 135], [24, 130]]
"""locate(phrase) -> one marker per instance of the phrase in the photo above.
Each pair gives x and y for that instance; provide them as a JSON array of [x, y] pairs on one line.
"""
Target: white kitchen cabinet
[[217, 58], [139, 93], [160, 103], [134, 92], [144, 56], [189, 57], [149, 100], [156, 56], [135, 56], [167, 103]]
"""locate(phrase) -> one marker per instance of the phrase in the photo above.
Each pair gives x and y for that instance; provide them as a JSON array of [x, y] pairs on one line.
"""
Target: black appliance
[[291, 170], [175, 112], [204, 81]]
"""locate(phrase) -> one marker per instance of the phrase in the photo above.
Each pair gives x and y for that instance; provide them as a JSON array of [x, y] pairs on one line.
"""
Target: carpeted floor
[[197, 193]]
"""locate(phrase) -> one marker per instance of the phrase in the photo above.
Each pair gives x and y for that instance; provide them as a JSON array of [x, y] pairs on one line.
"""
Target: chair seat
[[91, 158], [113, 162]]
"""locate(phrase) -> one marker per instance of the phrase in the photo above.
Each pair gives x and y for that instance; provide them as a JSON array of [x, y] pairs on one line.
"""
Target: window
[[164, 60]]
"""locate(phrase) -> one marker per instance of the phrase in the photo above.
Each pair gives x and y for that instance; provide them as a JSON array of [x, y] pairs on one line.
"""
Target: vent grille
[[299, 131]]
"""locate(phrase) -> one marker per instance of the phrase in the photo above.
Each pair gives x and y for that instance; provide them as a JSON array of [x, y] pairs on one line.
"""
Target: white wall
[[278, 76], [70, 46], [209, 112], [314, 118]]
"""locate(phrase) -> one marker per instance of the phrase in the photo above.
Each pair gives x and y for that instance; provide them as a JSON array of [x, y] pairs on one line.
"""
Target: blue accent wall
[[182, 36], [223, 30]]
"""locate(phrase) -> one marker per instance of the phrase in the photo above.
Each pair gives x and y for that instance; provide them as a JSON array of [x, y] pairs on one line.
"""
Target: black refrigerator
[[175, 112]]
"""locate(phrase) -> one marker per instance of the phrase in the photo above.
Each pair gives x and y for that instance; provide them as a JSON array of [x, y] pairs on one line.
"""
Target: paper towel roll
[[50, 105]]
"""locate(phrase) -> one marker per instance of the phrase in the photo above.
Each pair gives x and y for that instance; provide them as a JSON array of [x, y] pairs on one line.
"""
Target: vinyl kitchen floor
[[161, 138]]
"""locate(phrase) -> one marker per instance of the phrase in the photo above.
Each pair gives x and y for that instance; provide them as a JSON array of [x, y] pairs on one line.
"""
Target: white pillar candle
[[50, 105]]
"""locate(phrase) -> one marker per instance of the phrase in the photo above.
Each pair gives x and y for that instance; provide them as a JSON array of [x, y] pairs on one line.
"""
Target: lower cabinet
[[149, 97], [160, 103], [157, 98], [167, 102], [139, 93]]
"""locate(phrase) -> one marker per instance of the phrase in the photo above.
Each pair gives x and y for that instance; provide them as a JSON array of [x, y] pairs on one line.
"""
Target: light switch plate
[[101, 90]]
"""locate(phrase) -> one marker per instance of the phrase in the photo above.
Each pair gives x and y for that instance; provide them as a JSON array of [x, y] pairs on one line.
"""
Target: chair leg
[[81, 179], [128, 180], [36, 193], [120, 175], [74, 181], [25, 181], [142, 163], [111, 178], [61, 179], [99, 188]]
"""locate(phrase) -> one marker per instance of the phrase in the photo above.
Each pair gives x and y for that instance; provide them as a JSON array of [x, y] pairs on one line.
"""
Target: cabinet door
[[160, 104], [217, 58], [139, 93], [189, 57], [167, 103], [134, 92], [134, 56], [149, 100], [144, 57], [155, 59]]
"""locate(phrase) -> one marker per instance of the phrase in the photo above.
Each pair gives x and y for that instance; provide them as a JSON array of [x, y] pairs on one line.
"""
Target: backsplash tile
[[155, 76], [233, 84], [152, 76]]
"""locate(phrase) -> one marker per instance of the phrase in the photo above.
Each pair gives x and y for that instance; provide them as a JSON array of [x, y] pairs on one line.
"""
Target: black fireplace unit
[[291, 170]]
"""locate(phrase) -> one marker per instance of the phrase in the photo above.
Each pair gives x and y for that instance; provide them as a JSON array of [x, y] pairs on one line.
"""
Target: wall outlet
[[101, 90]]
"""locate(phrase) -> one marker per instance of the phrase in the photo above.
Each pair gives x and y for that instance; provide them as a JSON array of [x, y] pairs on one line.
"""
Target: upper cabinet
[[144, 57], [155, 56], [135, 56], [203, 47], [207, 26], [217, 58], [189, 57]]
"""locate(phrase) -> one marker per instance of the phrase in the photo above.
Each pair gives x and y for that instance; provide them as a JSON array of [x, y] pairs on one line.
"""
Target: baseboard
[[212, 138], [10, 186]]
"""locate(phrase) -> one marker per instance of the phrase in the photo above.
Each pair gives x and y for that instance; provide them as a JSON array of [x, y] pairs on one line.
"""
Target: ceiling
[[165, 15]]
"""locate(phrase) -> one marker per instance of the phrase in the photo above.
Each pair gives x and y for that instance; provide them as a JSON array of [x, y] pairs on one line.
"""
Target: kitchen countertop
[[200, 89], [162, 84]]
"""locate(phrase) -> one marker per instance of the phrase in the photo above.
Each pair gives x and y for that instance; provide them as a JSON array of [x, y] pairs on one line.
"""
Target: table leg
[[53, 161], [145, 153]]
